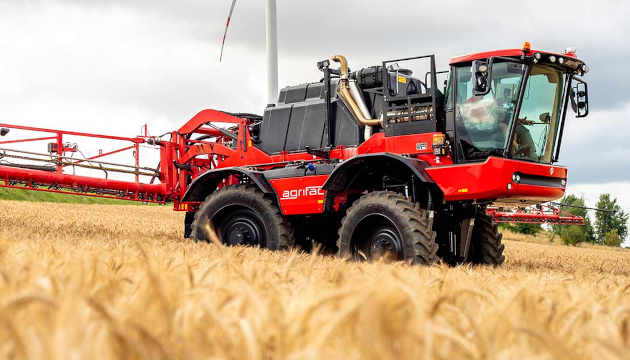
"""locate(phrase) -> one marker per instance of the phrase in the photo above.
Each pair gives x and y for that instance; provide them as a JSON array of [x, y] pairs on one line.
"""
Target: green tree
[[527, 229], [613, 219], [586, 229], [572, 235], [612, 239]]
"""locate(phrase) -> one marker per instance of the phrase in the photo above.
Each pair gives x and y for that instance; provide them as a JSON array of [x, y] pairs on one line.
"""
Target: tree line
[[610, 227]]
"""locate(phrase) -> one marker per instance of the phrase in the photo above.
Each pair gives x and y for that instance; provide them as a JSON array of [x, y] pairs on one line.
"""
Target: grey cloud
[[375, 30], [595, 149]]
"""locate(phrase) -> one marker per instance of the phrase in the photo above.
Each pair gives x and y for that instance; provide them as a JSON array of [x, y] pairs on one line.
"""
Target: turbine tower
[[272, 53], [272, 48]]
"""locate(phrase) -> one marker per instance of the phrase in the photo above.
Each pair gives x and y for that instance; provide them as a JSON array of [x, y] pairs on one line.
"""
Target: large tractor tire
[[242, 215], [386, 225], [486, 247]]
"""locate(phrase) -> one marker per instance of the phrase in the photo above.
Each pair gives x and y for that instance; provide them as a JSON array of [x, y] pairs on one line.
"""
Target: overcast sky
[[112, 66]]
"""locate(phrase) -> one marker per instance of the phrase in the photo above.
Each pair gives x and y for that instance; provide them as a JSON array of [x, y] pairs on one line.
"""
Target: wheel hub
[[241, 233], [386, 243], [242, 228]]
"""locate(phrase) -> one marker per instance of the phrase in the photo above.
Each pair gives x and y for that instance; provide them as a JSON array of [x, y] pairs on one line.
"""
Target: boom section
[[60, 165]]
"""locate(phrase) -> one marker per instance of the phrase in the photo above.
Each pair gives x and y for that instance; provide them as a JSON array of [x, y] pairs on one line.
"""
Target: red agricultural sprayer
[[375, 162]]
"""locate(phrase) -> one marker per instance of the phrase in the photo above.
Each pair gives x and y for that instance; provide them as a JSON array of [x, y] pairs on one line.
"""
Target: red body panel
[[405, 144], [302, 195], [489, 180]]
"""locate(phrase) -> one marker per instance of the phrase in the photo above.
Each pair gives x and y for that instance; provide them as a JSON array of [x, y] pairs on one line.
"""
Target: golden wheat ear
[[211, 234]]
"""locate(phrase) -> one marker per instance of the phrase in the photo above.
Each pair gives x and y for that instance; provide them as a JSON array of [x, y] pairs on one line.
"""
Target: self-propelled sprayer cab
[[506, 103], [513, 103]]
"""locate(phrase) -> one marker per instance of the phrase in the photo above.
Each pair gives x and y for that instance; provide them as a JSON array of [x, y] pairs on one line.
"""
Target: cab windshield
[[483, 123], [537, 127]]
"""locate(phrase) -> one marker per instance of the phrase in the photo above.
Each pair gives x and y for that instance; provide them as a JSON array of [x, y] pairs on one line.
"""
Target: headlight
[[563, 183], [552, 59], [584, 69], [560, 61]]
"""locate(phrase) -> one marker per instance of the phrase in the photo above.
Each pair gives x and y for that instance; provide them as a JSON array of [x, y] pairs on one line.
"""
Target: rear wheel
[[486, 247], [386, 225], [242, 215]]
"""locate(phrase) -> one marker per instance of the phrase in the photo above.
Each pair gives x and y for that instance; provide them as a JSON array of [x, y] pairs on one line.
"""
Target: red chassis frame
[[183, 158]]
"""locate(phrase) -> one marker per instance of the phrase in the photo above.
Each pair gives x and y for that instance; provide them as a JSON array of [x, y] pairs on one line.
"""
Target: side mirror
[[579, 98], [545, 118], [480, 76]]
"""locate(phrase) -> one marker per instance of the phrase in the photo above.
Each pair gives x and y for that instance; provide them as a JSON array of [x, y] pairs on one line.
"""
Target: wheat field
[[110, 282]]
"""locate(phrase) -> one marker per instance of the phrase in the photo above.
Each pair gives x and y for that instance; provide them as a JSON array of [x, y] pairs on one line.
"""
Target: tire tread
[[285, 237], [487, 241], [420, 234]]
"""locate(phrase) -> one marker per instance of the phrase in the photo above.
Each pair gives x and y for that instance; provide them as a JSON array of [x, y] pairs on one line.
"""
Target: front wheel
[[385, 224], [242, 215]]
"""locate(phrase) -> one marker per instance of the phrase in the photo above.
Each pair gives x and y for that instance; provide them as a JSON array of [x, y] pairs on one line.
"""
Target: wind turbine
[[272, 48]]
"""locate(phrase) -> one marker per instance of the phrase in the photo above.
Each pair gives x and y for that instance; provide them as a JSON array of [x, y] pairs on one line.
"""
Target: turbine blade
[[226, 28]]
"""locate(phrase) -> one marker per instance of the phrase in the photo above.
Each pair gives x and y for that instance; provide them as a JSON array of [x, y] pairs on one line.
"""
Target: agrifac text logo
[[307, 191]]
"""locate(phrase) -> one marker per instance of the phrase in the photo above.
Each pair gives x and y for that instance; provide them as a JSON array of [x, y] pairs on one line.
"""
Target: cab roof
[[505, 53]]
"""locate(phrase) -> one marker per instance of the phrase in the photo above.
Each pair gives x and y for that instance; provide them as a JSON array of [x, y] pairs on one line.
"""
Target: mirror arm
[[565, 106]]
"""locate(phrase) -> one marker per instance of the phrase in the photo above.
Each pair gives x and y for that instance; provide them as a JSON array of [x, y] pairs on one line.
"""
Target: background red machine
[[539, 214]]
